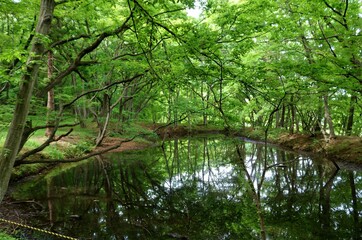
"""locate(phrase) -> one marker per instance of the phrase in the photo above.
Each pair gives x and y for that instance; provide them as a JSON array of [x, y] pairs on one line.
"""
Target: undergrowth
[[4, 236]]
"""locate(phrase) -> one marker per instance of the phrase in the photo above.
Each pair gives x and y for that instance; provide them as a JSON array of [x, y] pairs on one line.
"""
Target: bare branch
[[19, 160], [139, 54], [332, 8], [78, 159], [127, 54], [80, 75], [63, 135], [64, 41], [101, 89], [53, 125], [78, 60], [324, 36], [345, 10], [343, 24], [5, 87]]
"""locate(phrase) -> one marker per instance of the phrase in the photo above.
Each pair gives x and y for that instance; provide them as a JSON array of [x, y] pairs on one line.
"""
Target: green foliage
[[129, 130], [78, 150], [27, 170], [5, 236], [54, 153], [235, 66]]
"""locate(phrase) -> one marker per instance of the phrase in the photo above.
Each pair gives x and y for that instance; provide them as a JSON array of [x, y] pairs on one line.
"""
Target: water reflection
[[210, 188]]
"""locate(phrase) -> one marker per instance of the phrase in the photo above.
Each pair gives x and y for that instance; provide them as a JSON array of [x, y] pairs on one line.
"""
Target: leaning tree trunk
[[15, 132]]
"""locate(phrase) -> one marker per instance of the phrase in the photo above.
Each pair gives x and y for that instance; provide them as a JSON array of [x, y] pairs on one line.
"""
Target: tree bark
[[15, 132], [328, 117], [282, 118], [351, 115], [292, 113], [50, 102]]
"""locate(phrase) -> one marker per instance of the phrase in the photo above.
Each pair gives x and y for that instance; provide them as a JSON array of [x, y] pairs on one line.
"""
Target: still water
[[198, 188]]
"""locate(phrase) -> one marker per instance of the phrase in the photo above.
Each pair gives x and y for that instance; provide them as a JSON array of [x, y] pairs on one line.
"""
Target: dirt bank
[[344, 150]]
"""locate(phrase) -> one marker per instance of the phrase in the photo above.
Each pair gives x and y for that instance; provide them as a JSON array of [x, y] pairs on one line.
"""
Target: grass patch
[[4, 236], [27, 170], [254, 133], [130, 130], [78, 150]]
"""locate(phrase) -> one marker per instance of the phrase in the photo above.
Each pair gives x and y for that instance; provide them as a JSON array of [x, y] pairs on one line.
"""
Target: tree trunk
[[15, 132], [103, 129], [282, 118], [277, 119], [351, 115], [328, 117], [50, 102], [104, 105], [292, 113]]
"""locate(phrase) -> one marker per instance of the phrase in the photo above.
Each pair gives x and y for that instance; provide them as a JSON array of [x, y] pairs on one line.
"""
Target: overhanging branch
[[78, 159], [101, 89], [78, 60]]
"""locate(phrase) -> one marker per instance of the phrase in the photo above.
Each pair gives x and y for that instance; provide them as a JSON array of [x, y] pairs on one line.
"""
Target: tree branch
[[332, 8], [64, 41], [81, 76], [20, 159], [53, 125], [101, 89], [78, 60], [324, 36], [78, 159], [345, 9]]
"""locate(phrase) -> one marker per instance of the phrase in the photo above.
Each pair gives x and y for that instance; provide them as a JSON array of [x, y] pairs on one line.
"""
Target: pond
[[197, 188]]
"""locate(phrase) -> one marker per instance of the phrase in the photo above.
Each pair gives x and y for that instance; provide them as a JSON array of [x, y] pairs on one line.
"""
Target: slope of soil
[[341, 149]]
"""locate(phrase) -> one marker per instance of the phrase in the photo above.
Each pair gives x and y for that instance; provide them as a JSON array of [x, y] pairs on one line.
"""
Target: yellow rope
[[37, 229]]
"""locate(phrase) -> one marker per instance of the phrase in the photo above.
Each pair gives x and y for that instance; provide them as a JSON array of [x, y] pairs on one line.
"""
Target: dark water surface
[[198, 188]]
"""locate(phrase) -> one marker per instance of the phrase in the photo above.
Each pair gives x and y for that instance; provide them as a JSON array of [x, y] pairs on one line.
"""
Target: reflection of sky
[[219, 177]]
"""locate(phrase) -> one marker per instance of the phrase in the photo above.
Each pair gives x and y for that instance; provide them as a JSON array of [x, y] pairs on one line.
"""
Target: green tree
[[13, 139]]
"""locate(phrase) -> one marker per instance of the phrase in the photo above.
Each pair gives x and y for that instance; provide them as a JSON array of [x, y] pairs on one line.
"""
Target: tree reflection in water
[[208, 188]]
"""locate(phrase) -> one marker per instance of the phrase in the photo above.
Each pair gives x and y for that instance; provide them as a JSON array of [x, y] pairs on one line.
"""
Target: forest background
[[72, 65]]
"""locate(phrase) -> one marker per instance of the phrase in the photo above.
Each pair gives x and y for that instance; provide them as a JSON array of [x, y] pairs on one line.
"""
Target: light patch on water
[[219, 177]]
